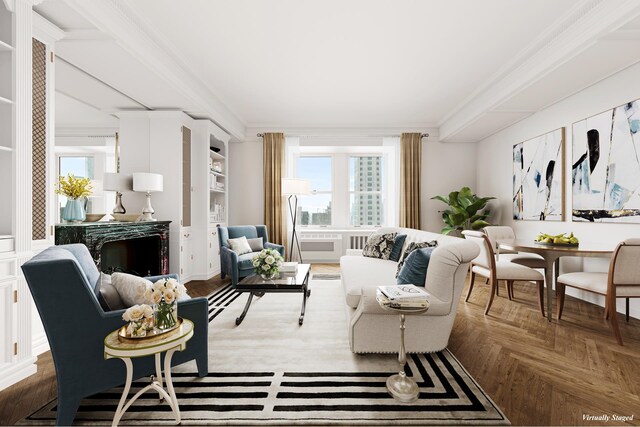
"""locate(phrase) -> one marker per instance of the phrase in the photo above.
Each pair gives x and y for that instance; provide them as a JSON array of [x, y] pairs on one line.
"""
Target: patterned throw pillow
[[379, 245], [412, 247]]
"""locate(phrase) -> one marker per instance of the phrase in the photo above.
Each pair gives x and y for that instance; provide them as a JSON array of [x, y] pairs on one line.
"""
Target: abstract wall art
[[606, 166], [538, 177]]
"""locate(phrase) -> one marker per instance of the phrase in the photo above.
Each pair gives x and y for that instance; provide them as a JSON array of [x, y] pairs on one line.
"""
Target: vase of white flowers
[[267, 263], [140, 318], [164, 295]]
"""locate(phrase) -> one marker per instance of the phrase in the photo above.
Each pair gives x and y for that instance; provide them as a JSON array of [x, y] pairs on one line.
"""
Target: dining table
[[551, 253]]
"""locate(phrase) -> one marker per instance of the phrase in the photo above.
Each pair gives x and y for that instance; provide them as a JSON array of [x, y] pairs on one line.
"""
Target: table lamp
[[147, 183], [117, 182], [294, 187]]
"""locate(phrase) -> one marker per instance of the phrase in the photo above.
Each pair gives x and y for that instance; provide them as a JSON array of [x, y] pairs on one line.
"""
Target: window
[[79, 166], [366, 192], [316, 209]]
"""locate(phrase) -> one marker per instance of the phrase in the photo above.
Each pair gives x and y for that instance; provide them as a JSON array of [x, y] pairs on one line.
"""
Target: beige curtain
[[410, 165], [273, 149]]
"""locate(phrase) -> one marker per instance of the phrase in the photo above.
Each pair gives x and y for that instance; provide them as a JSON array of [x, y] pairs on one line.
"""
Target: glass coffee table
[[285, 282]]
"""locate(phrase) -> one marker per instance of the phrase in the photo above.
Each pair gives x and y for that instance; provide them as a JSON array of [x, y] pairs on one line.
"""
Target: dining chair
[[485, 265], [621, 281], [497, 233]]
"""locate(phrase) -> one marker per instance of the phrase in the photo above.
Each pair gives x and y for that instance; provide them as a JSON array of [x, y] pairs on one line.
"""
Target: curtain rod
[[422, 135]]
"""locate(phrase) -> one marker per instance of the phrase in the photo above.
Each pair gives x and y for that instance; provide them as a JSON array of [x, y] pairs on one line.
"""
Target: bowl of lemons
[[563, 239]]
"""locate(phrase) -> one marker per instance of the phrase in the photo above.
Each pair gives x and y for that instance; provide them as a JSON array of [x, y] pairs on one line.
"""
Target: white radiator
[[357, 242], [321, 246]]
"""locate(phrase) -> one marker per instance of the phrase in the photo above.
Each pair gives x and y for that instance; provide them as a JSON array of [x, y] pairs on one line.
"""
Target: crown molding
[[122, 25], [46, 31], [10, 5], [579, 29]]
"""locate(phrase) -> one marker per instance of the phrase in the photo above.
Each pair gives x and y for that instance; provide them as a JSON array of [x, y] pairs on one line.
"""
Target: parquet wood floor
[[538, 373]]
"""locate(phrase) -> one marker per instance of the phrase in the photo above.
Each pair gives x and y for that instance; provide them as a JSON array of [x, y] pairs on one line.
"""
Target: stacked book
[[289, 267], [405, 297]]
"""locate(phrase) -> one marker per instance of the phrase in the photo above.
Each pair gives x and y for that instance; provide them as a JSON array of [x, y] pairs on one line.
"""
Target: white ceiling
[[346, 63], [467, 67]]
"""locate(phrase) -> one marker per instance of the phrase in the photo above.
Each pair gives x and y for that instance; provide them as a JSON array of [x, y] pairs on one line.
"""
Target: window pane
[[366, 209], [314, 210], [317, 170], [365, 173]]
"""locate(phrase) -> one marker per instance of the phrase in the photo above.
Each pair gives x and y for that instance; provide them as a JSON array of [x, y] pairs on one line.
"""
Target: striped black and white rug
[[271, 371]]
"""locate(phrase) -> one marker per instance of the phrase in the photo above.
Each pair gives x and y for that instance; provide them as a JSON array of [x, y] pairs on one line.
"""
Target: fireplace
[[140, 248]]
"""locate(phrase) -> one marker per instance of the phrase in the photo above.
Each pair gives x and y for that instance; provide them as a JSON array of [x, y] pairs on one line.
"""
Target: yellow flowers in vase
[[74, 189]]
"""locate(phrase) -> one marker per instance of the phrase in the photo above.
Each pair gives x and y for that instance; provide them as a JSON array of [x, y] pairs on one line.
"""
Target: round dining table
[[551, 255]]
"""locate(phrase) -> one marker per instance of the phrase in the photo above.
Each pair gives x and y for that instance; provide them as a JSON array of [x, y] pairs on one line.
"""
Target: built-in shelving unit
[[7, 96], [217, 181]]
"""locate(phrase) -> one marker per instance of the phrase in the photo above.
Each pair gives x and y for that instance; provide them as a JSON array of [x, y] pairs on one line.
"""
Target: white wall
[[494, 169], [246, 200], [445, 167]]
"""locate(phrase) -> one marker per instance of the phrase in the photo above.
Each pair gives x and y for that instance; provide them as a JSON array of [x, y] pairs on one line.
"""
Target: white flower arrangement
[[163, 294], [267, 263], [140, 318]]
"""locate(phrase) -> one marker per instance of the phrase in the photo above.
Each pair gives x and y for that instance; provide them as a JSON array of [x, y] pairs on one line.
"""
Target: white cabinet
[[213, 252], [187, 255]]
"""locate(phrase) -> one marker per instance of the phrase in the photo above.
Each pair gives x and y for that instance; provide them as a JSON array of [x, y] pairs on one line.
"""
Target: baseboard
[[39, 345], [14, 372], [205, 276]]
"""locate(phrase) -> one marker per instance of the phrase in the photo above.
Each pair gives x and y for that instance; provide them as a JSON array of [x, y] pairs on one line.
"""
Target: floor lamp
[[292, 188]]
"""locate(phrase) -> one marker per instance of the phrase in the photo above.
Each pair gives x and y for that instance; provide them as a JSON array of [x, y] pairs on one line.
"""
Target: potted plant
[[463, 212], [76, 190]]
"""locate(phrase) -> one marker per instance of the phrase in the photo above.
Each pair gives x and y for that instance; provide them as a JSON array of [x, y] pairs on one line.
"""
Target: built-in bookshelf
[[217, 181], [7, 96]]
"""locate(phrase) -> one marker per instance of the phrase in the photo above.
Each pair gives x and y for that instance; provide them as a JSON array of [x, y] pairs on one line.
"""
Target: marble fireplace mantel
[[96, 234]]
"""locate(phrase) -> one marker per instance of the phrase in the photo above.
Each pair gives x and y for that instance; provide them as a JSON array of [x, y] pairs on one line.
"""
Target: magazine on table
[[409, 305], [404, 293]]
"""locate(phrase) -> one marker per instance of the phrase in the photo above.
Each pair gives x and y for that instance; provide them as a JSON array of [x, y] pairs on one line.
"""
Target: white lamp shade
[[147, 182], [295, 186], [116, 182]]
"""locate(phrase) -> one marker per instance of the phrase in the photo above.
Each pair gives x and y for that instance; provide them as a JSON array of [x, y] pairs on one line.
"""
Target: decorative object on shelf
[[147, 183], [125, 217], [216, 167], [267, 263], [164, 295], [117, 182], [293, 187], [76, 190], [606, 173], [140, 318], [463, 211], [538, 178], [93, 217]]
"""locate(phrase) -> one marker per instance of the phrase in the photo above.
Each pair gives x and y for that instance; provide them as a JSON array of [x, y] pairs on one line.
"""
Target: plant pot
[[74, 211], [165, 315]]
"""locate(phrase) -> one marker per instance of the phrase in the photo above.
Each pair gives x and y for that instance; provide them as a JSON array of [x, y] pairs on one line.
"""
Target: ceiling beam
[[580, 28], [123, 26]]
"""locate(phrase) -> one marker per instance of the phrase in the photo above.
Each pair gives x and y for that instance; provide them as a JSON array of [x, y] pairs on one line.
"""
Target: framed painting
[[606, 166], [538, 178]]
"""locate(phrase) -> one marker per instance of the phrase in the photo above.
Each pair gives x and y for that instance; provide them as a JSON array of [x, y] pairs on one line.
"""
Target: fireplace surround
[[140, 248]]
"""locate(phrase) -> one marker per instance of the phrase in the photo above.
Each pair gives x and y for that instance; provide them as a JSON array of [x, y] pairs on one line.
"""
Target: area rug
[[326, 276], [271, 371]]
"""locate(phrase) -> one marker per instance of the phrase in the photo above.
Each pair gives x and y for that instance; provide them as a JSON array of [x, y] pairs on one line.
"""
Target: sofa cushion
[[412, 247], [360, 272], [107, 294], [397, 247], [245, 261], [256, 244], [239, 245], [414, 269], [130, 288], [379, 246]]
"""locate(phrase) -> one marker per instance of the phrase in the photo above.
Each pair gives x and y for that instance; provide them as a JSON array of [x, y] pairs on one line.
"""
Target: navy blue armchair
[[239, 266], [63, 282]]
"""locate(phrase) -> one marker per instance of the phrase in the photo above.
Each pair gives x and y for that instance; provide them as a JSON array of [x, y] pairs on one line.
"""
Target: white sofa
[[375, 330]]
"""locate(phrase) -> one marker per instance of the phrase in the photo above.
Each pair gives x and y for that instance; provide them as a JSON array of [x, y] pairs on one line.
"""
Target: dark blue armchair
[[239, 266], [63, 282]]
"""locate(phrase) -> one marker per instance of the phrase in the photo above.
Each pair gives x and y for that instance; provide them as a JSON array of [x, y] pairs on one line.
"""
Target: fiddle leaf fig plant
[[463, 212]]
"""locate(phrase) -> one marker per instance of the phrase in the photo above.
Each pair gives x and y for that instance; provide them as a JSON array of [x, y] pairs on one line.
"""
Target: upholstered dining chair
[[485, 265], [621, 281], [497, 233], [239, 266]]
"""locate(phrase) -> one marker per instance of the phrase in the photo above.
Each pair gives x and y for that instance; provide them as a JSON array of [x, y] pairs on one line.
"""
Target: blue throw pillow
[[414, 270], [397, 247]]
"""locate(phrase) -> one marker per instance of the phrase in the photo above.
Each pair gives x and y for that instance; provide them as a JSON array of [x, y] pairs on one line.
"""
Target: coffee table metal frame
[[285, 283]]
